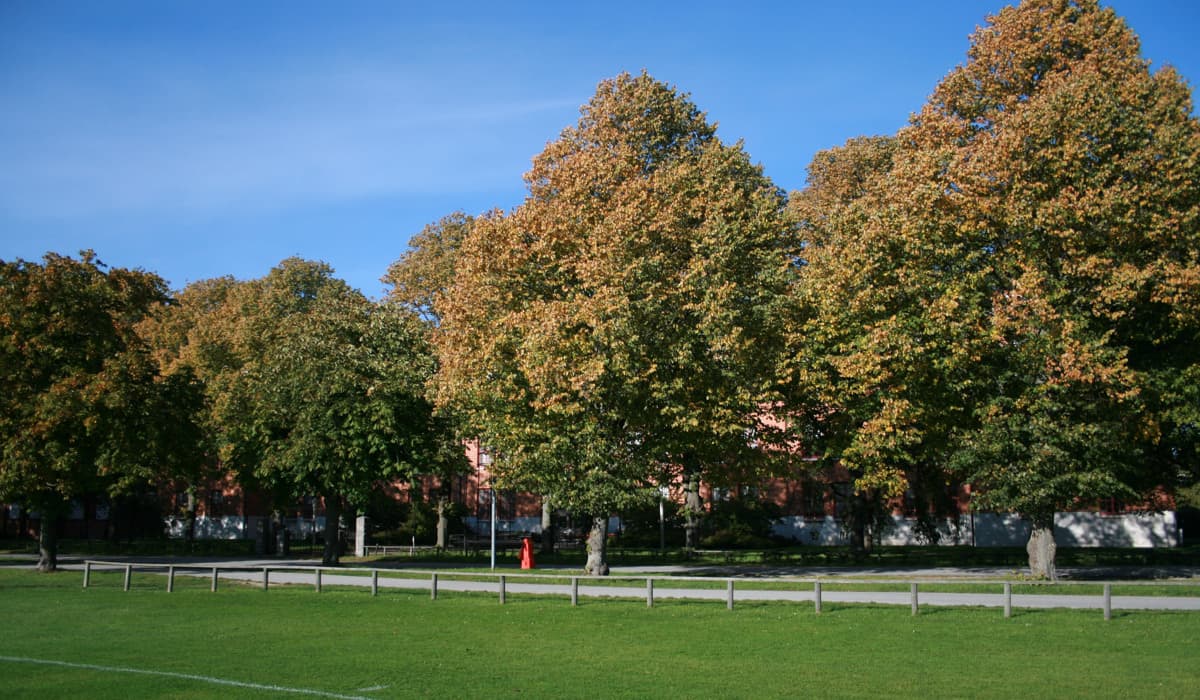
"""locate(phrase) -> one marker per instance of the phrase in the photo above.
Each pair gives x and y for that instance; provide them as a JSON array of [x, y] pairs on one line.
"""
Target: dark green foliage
[[640, 526], [84, 408], [741, 523]]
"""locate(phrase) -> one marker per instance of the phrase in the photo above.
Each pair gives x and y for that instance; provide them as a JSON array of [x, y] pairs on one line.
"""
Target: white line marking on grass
[[373, 688], [188, 676]]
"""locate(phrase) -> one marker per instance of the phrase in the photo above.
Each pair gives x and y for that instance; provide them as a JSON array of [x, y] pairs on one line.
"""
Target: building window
[[813, 494], [842, 493], [506, 506]]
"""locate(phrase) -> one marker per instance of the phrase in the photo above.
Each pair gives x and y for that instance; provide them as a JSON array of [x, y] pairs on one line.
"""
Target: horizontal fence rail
[[784, 588]]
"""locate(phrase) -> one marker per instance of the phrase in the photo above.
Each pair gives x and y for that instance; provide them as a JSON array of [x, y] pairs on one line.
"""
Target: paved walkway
[[293, 573]]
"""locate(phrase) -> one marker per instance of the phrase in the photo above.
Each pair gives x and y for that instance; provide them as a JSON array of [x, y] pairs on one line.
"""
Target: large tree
[[1017, 295], [324, 390], [420, 280], [622, 319], [84, 408], [194, 338], [311, 388]]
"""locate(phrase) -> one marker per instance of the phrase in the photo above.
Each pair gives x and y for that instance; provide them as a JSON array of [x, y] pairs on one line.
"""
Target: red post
[[526, 553]]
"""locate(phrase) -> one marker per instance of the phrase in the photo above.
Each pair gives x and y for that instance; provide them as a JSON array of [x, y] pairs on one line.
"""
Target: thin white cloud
[[159, 139]]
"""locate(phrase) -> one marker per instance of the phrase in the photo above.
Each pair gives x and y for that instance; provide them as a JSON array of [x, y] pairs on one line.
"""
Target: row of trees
[[1006, 292], [294, 382]]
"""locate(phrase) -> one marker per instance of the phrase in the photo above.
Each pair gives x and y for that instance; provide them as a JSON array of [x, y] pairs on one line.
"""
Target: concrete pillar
[[360, 536]]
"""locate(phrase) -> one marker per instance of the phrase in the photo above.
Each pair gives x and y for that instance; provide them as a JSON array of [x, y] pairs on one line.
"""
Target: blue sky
[[196, 139]]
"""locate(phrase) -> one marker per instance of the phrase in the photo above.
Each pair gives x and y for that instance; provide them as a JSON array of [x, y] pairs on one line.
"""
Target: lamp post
[[483, 460], [663, 492]]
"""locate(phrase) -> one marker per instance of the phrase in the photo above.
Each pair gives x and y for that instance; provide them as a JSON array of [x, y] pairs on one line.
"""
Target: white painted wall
[[825, 531], [1073, 529], [236, 527], [525, 524], [226, 527]]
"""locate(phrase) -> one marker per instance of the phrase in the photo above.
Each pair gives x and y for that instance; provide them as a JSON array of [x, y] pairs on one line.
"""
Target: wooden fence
[[785, 590]]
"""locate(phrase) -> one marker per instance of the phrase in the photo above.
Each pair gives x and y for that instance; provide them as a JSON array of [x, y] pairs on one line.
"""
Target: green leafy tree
[[85, 409], [332, 398], [1019, 291], [311, 388], [193, 340], [623, 318]]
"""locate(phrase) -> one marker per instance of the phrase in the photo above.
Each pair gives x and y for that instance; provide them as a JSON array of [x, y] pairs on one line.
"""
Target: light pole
[[663, 492], [492, 498]]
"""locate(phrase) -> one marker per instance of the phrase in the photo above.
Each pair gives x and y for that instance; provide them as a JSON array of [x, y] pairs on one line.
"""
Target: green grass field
[[234, 643], [842, 582]]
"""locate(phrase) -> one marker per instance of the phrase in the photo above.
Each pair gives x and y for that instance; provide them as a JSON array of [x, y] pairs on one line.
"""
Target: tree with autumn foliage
[[621, 323], [1015, 294], [420, 278], [85, 408]]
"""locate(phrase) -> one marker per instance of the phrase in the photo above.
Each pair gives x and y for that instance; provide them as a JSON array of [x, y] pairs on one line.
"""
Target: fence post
[[433, 587], [574, 591], [914, 598], [87, 573], [1007, 599], [374, 582], [214, 580], [1108, 601], [817, 597], [128, 573], [649, 593], [266, 577], [170, 579], [729, 594], [317, 578], [502, 577]]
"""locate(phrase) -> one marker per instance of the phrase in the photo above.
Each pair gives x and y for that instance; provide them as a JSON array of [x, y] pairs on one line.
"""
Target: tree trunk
[[597, 547], [1041, 549], [864, 535], [48, 543], [547, 527], [333, 513], [693, 507], [443, 520], [189, 518]]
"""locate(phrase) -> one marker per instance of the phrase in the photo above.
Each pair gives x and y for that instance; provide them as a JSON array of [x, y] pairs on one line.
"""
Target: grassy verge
[[908, 556], [402, 644], [1179, 588], [1019, 587]]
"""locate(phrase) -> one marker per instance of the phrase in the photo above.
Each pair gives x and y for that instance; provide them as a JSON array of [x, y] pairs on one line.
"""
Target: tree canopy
[[620, 320], [1014, 295], [421, 277], [85, 409], [314, 388]]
